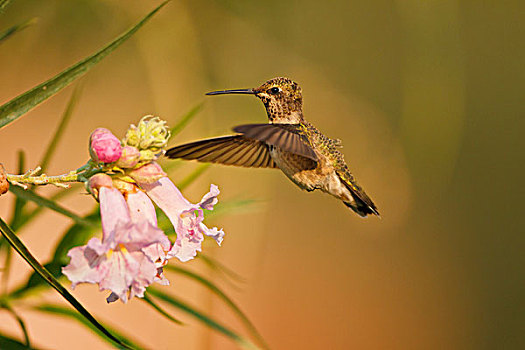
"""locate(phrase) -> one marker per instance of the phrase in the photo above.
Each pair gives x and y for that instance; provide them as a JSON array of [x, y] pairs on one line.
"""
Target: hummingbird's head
[[282, 99]]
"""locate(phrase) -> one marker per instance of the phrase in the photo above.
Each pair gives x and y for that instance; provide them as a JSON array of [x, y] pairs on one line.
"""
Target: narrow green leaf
[[34, 197], [3, 5], [27, 217], [175, 302], [164, 223], [17, 244], [217, 291], [185, 119], [35, 280], [12, 344], [188, 180], [16, 218], [16, 28], [76, 235], [6, 269], [217, 266], [233, 206], [21, 323], [66, 116], [66, 312], [160, 310], [18, 106], [170, 165]]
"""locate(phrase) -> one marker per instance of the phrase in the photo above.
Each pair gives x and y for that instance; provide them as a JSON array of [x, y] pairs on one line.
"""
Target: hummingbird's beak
[[235, 91]]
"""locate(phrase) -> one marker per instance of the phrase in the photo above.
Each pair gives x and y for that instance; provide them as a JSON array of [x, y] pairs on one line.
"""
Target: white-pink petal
[[141, 208], [79, 269], [113, 209]]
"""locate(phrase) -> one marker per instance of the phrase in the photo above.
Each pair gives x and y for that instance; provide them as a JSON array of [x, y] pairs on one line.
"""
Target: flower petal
[[122, 269], [168, 197], [141, 208], [146, 275], [113, 210], [83, 266], [215, 233], [210, 198], [185, 249], [136, 236]]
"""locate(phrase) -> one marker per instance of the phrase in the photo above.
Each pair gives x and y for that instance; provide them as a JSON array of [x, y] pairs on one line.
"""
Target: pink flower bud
[[148, 173], [104, 146], [129, 158], [98, 181]]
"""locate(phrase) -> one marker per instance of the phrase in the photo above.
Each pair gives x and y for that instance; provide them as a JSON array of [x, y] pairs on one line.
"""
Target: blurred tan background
[[427, 97]]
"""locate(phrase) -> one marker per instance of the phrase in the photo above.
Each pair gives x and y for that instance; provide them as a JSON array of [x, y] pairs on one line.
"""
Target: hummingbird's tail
[[361, 209], [361, 203]]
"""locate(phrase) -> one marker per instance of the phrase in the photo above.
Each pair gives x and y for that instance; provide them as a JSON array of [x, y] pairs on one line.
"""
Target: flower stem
[[31, 177]]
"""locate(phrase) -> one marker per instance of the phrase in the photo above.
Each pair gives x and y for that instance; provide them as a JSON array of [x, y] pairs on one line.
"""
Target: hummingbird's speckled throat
[[288, 142]]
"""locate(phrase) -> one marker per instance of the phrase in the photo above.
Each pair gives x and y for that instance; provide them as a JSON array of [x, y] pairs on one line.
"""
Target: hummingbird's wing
[[285, 136], [228, 150]]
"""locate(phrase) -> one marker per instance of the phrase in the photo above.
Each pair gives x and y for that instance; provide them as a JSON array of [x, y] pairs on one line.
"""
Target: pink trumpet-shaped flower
[[186, 217], [122, 261]]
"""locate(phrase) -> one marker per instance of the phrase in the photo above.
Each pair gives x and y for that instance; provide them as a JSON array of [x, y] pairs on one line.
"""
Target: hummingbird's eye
[[274, 91]]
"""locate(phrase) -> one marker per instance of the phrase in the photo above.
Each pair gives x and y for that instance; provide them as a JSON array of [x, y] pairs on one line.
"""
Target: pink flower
[[104, 146], [186, 217], [123, 261]]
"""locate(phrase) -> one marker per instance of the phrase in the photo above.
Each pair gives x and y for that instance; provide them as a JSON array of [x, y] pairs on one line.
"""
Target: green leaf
[[17, 244], [16, 28], [186, 119], [18, 106], [3, 5], [233, 277], [34, 197], [66, 116], [233, 206], [175, 302], [75, 236], [16, 219], [12, 344], [27, 217], [154, 305], [217, 291], [66, 312], [35, 280], [18, 319], [188, 180]]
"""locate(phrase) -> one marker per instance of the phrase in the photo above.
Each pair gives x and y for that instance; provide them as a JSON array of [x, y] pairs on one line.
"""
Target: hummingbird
[[287, 142]]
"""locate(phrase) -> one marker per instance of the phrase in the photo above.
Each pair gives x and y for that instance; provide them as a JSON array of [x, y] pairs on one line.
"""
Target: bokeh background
[[428, 98]]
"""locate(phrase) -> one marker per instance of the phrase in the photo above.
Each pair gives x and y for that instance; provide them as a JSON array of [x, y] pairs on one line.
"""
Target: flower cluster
[[133, 250]]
